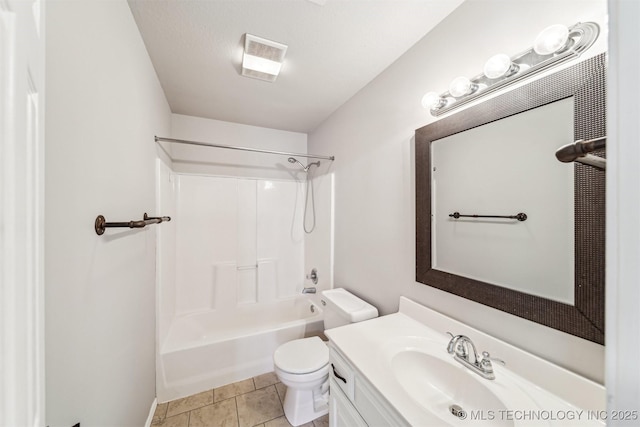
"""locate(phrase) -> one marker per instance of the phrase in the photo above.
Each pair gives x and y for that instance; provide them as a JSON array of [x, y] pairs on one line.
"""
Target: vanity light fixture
[[432, 100], [461, 86], [554, 45], [551, 39], [262, 58], [500, 65]]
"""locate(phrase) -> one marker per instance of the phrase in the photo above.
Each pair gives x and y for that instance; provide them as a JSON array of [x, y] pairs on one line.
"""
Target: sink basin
[[435, 382], [437, 385]]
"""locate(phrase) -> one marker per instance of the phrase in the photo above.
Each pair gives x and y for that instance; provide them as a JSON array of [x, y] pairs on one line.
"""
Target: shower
[[306, 168], [306, 201]]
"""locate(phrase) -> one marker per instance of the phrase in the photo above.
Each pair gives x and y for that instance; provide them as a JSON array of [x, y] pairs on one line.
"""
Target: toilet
[[303, 364]]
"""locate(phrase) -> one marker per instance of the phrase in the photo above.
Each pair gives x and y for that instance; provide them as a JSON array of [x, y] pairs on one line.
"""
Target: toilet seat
[[302, 356]]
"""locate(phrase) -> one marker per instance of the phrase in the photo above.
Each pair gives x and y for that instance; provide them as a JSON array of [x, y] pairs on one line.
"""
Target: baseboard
[[154, 405]]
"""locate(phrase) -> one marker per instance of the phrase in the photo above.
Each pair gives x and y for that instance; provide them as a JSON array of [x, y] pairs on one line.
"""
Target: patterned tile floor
[[253, 402]]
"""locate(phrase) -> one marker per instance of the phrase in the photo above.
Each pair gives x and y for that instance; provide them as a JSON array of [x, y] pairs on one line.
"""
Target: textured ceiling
[[334, 50]]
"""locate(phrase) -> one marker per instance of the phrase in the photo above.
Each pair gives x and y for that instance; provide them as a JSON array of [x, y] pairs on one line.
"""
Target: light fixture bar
[[523, 65]]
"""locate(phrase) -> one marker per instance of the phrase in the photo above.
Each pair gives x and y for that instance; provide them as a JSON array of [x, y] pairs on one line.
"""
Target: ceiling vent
[[262, 58]]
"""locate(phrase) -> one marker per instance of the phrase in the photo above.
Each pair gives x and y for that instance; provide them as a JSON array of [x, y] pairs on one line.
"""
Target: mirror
[[550, 268], [503, 168]]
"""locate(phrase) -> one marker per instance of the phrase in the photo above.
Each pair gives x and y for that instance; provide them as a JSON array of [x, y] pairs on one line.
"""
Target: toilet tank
[[342, 307]]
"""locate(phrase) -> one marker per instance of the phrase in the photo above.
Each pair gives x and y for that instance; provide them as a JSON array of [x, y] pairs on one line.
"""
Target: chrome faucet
[[314, 278], [461, 347]]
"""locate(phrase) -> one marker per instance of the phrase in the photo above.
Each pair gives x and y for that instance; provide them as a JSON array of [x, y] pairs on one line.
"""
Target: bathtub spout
[[311, 290]]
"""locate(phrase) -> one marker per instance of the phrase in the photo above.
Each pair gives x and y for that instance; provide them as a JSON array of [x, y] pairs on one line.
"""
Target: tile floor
[[253, 402]]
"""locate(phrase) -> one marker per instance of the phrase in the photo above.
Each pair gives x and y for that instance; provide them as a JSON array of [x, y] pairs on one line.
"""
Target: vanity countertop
[[551, 394]]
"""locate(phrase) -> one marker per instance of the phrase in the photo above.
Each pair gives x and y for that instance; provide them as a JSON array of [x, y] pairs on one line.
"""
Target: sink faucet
[[311, 290], [463, 349]]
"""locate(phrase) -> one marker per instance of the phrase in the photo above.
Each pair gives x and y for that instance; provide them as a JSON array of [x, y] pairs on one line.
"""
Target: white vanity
[[395, 370]]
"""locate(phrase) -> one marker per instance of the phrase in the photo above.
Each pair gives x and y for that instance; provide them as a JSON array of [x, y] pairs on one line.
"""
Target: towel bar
[[101, 223]]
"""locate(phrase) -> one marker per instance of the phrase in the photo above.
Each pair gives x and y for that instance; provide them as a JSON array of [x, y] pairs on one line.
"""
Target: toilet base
[[302, 406]]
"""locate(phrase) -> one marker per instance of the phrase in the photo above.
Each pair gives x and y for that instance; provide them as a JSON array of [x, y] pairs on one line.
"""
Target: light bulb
[[461, 86], [551, 39], [432, 101], [499, 65]]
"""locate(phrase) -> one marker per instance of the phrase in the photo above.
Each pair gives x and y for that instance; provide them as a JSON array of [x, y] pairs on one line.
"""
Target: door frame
[[22, 58]]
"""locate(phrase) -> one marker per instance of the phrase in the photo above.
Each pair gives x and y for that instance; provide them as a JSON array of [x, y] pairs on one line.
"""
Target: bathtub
[[214, 348]]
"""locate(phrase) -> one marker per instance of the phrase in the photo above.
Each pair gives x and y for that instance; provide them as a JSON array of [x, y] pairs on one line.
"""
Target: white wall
[[623, 245], [372, 139], [104, 105], [217, 161]]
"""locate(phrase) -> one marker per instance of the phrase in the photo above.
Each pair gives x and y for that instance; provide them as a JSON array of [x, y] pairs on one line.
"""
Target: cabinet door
[[341, 411], [373, 408]]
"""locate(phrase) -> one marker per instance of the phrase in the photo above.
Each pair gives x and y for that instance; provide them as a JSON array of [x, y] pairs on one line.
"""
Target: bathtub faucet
[[311, 290], [313, 276]]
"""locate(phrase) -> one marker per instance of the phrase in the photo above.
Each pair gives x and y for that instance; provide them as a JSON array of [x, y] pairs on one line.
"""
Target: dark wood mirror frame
[[586, 83]]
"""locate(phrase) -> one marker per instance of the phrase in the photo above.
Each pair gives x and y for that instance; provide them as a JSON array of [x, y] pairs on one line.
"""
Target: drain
[[312, 308], [458, 411]]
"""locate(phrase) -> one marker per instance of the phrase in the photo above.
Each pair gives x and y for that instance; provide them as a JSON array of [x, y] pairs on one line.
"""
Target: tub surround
[[239, 241], [231, 273], [551, 387]]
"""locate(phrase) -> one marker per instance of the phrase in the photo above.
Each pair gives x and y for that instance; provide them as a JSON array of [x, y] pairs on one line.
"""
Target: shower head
[[316, 164], [305, 168], [294, 160]]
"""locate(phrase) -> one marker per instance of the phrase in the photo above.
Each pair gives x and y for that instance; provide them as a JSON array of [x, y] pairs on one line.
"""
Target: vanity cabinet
[[354, 402], [395, 370], [342, 413]]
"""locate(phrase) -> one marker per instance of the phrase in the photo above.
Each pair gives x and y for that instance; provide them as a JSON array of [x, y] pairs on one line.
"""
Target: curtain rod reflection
[[579, 152]]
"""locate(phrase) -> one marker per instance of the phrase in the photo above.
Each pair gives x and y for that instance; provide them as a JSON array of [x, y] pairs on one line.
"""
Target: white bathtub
[[210, 349]]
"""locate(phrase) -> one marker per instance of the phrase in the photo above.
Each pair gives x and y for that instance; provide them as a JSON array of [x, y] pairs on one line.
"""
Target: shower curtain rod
[[233, 147], [580, 150]]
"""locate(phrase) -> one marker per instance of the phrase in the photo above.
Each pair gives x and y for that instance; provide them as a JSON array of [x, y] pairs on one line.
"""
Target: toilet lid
[[302, 356]]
